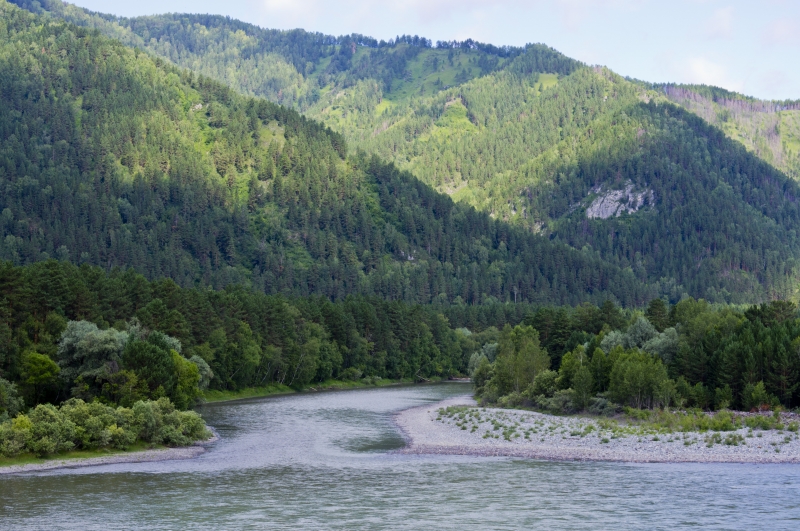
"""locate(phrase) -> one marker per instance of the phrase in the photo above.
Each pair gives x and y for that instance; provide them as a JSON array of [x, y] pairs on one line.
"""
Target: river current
[[324, 461]]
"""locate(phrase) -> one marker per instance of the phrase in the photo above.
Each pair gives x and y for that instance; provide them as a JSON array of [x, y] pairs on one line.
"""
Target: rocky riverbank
[[143, 456], [465, 429]]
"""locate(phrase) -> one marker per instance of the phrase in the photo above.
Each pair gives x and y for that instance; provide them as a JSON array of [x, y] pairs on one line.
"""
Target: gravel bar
[[528, 434]]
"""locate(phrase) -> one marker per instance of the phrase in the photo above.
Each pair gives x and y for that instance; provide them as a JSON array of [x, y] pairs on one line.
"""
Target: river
[[324, 461]]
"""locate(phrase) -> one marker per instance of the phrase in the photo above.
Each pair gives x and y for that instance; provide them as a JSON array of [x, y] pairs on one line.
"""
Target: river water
[[324, 461]]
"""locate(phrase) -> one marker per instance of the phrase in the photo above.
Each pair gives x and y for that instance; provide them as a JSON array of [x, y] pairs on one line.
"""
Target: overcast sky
[[747, 46]]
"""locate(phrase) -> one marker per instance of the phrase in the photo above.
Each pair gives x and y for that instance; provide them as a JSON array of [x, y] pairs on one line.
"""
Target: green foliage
[[519, 359], [657, 314], [711, 357], [756, 397], [768, 129], [583, 385], [37, 371], [636, 378], [233, 339], [89, 355], [10, 401], [48, 429], [153, 365], [544, 384]]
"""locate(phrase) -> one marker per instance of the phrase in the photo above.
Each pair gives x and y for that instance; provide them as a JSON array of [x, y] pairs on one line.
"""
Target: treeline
[[766, 128], [290, 67], [690, 355], [69, 331]]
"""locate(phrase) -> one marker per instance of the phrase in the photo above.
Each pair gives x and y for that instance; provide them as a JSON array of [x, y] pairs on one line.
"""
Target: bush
[[512, 399], [15, 436], [761, 422], [543, 384], [723, 421], [80, 425], [51, 431], [562, 402], [602, 406], [350, 374]]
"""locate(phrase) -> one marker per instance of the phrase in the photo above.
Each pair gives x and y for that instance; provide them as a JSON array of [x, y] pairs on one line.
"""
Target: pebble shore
[[143, 456], [527, 434]]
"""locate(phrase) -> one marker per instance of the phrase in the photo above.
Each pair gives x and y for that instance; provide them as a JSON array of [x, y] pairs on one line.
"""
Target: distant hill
[[769, 129], [113, 157]]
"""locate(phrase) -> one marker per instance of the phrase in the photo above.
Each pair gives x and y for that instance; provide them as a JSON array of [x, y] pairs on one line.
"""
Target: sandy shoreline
[[539, 436], [143, 456]]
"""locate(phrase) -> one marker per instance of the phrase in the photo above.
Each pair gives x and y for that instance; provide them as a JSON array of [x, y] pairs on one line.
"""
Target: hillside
[[112, 157], [531, 137]]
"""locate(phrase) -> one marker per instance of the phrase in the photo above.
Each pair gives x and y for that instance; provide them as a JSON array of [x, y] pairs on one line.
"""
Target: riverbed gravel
[[477, 431]]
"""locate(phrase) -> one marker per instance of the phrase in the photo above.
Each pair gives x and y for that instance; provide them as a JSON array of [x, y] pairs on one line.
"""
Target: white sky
[[747, 46]]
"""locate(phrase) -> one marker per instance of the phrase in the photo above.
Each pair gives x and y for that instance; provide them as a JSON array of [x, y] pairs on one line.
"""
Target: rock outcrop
[[614, 203]]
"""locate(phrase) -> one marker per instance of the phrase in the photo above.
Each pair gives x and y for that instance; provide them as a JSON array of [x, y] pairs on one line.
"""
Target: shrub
[[15, 436], [350, 374], [723, 421], [760, 422], [512, 399], [562, 402], [77, 424], [543, 384], [602, 406], [51, 431]]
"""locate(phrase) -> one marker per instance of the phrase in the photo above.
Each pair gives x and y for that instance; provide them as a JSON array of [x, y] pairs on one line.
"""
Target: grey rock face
[[613, 203]]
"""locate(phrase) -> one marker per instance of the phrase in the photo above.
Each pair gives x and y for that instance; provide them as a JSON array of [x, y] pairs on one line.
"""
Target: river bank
[[134, 456], [468, 430], [213, 396]]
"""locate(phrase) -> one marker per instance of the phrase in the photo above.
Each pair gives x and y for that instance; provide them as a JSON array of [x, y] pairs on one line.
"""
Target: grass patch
[[28, 458], [250, 392], [278, 389], [547, 81]]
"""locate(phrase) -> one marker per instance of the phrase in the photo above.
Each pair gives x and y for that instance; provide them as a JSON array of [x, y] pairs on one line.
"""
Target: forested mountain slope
[[530, 137], [308, 70], [112, 157]]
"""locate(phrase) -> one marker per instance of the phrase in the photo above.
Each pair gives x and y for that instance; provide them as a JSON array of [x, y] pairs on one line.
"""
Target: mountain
[[616, 168], [112, 157]]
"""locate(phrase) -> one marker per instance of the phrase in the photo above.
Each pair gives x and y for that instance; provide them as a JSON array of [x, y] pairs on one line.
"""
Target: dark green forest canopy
[[714, 355], [247, 338], [112, 157], [690, 355], [533, 138]]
